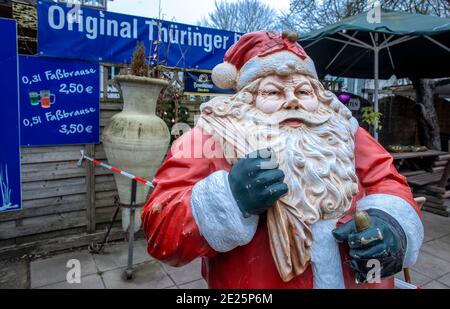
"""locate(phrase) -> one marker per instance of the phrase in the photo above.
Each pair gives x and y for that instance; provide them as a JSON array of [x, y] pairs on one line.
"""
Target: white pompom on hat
[[224, 75], [259, 54]]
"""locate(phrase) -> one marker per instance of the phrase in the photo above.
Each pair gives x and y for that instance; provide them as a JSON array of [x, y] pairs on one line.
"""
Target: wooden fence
[[59, 198], [63, 205]]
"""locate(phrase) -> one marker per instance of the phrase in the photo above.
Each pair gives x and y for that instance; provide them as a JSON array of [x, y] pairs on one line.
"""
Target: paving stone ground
[[432, 270], [14, 274], [106, 271]]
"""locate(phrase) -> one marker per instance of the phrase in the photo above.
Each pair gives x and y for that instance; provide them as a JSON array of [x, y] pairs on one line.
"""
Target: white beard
[[317, 159]]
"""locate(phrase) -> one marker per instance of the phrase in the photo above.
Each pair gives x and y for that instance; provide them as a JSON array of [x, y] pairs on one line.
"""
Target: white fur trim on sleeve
[[325, 257], [405, 215], [217, 215]]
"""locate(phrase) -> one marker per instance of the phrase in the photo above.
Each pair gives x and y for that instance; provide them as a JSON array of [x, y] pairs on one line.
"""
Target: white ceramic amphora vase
[[136, 140]]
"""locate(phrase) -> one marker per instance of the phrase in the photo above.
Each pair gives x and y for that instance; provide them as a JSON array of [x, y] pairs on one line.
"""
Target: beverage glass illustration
[[34, 98], [47, 98]]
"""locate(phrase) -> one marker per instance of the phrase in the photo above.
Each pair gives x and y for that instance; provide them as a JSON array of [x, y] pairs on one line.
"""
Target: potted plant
[[370, 117], [136, 140]]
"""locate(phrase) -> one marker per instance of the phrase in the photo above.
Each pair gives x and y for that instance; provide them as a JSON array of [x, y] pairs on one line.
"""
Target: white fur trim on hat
[[224, 75], [283, 63]]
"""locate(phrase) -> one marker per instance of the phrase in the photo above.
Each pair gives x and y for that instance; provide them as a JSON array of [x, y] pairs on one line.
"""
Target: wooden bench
[[433, 186], [425, 179]]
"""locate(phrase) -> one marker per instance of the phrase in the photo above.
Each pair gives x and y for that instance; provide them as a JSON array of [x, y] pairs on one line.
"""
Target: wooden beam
[[56, 244], [440, 163], [444, 156], [434, 189], [443, 182], [105, 81], [437, 211], [413, 173], [437, 169]]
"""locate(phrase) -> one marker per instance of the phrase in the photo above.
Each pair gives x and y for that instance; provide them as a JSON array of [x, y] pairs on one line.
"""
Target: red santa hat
[[259, 54]]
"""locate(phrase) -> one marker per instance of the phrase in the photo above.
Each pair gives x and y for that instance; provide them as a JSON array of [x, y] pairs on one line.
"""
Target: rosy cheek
[[310, 104], [268, 105]]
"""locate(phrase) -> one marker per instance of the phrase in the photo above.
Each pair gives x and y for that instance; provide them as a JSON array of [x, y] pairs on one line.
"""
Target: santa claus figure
[[265, 188]]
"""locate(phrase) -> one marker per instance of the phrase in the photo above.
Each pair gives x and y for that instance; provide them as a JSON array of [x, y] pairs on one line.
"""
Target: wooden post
[[90, 190], [105, 81], [407, 275], [445, 176]]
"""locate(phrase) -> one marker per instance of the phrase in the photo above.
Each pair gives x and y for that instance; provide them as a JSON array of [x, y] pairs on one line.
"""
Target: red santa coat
[[173, 236]]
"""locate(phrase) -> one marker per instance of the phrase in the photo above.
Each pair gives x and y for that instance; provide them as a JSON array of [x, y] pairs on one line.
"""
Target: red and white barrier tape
[[116, 170]]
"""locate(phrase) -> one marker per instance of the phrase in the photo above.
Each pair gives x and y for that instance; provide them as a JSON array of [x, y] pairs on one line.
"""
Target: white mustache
[[277, 118]]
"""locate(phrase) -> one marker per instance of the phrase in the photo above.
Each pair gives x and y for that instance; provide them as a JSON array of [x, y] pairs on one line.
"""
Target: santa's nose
[[292, 102]]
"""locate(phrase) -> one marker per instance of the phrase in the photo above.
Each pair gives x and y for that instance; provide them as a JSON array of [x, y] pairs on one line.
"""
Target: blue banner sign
[[59, 101], [69, 31], [10, 184], [199, 82]]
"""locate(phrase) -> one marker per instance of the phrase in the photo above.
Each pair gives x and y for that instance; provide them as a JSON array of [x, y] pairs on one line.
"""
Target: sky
[[182, 11]]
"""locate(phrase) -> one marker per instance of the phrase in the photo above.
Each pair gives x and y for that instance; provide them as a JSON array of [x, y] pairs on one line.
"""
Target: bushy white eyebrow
[[281, 86], [275, 84], [303, 83]]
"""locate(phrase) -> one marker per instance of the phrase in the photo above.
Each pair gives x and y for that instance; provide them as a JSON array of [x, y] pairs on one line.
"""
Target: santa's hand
[[382, 239], [256, 182]]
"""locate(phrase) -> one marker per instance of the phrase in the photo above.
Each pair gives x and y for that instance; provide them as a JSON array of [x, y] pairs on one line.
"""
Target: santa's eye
[[304, 92], [270, 92]]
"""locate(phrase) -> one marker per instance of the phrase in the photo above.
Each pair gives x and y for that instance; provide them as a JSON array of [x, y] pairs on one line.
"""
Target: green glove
[[383, 240], [256, 183]]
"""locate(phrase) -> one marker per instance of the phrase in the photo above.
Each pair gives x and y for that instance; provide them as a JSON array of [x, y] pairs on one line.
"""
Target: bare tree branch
[[242, 16], [307, 15]]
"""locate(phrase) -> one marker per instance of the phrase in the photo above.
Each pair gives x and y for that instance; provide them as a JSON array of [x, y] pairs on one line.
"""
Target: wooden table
[[414, 163], [427, 173]]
